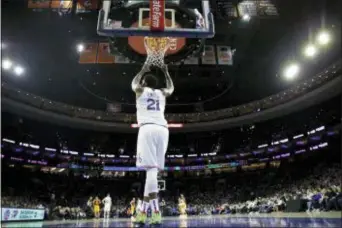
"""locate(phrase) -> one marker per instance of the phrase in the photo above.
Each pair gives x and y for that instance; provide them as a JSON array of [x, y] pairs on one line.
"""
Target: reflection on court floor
[[264, 220]]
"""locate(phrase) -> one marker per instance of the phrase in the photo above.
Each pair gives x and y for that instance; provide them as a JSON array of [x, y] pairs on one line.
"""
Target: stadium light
[[7, 64], [323, 38], [18, 70], [246, 17], [310, 50], [291, 71], [80, 47]]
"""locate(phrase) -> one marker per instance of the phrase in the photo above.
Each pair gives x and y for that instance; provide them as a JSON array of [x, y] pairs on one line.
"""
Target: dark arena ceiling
[[44, 42]]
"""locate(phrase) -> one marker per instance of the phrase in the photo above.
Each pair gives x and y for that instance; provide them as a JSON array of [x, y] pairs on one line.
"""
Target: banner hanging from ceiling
[[86, 6], [64, 6], [39, 5], [224, 55], [191, 60], [114, 107], [104, 55], [209, 56], [89, 54], [61, 4], [100, 53], [121, 59]]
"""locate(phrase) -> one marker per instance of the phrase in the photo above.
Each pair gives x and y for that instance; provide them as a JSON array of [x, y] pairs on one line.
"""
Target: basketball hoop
[[156, 48]]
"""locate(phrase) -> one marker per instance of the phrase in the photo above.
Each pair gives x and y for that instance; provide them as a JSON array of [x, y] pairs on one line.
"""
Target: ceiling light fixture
[[291, 71], [310, 50], [80, 48], [323, 38], [18, 70], [246, 17], [7, 64]]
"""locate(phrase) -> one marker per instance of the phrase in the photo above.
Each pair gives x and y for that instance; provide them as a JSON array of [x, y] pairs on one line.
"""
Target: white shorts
[[152, 145], [106, 208]]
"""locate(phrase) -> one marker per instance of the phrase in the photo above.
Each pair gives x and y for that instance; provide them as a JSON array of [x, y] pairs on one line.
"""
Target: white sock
[[139, 205], [154, 205], [144, 207]]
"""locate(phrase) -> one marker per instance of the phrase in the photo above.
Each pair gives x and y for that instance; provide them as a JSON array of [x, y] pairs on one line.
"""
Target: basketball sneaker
[[141, 217], [156, 218]]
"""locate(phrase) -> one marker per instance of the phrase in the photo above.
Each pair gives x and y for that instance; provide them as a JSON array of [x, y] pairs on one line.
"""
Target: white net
[[156, 48]]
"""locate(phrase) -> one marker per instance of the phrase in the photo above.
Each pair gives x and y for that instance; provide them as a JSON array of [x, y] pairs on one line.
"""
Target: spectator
[[270, 195]]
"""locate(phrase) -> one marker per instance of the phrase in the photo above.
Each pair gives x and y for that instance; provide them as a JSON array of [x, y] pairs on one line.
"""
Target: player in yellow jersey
[[96, 204], [133, 206], [182, 205]]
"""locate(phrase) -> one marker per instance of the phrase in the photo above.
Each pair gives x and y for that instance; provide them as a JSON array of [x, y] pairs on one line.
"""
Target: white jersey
[[151, 107], [107, 201]]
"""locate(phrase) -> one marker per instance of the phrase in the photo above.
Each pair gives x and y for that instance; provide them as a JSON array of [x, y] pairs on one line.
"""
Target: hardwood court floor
[[319, 219]]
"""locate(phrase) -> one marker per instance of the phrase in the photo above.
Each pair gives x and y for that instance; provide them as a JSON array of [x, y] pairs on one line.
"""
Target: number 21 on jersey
[[153, 105]]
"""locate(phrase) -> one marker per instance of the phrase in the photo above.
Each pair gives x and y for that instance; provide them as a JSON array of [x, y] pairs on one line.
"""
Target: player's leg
[[161, 139], [152, 189], [146, 200], [106, 213], [141, 214], [139, 205], [146, 158]]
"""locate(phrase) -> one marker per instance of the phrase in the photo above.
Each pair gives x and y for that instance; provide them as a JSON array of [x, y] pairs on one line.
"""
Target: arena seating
[[65, 197]]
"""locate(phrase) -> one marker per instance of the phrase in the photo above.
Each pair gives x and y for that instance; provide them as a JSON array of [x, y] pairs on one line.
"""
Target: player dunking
[[153, 136]]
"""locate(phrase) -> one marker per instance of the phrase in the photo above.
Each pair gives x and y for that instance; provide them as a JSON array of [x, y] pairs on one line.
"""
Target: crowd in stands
[[320, 191], [20, 202], [259, 191]]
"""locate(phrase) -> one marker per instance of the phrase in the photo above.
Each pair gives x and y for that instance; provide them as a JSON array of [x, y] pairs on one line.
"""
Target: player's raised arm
[[169, 84], [136, 83]]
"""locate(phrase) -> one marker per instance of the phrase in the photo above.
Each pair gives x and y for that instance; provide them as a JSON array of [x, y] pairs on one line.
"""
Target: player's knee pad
[[151, 184]]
